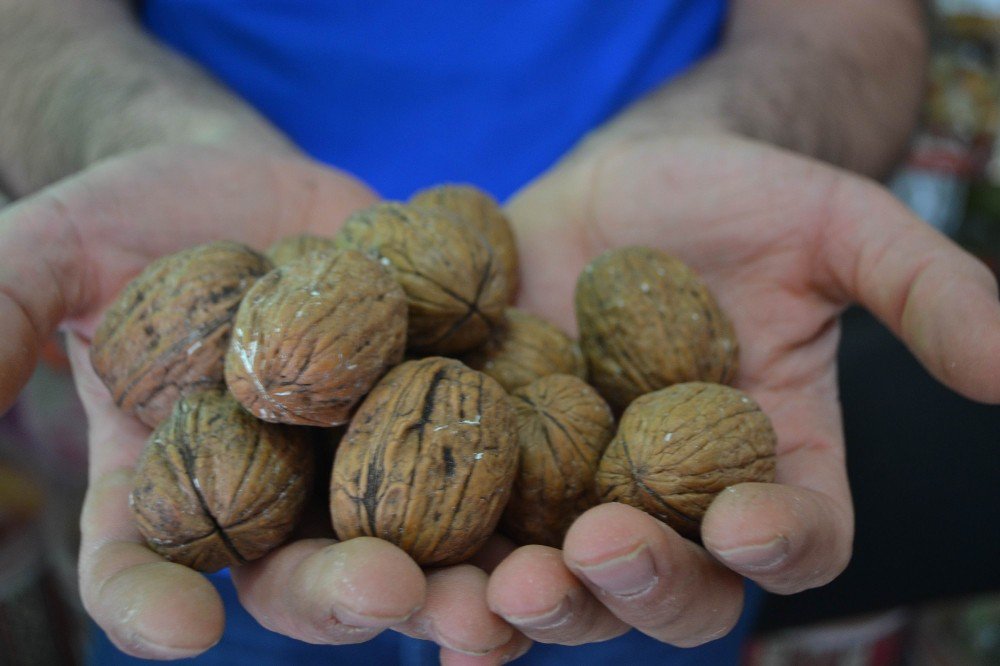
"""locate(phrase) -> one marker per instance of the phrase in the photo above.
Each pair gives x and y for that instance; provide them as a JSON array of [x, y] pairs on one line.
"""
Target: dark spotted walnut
[[427, 462], [480, 210], [290, 248], [648, 321], [679, 447], [215, 487], [563, 428], [313, 336], [524, 348], [166, 334], [453, 281]]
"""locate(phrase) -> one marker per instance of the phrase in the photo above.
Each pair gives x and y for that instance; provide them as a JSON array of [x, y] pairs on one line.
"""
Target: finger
[[939, 299], [536, 594], [455, 615], [651, 578], [40, 277], [321, 591], [514, 648], [785, 538], [148, 607]]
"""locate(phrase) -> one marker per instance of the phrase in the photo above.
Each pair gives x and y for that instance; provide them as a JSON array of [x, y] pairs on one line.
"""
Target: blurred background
[[924, 585]]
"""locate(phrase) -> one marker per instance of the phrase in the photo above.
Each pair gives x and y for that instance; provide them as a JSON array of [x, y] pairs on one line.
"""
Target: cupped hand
[[786, 243], [64, 255]]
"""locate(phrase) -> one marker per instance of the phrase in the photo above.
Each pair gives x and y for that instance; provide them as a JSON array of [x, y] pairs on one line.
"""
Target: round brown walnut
[[313, 336], [477, 208], [452, 280], [166, 334], [648, 321], [677, 448], [525, 348], [563, 428], [288, 249], [427, 462], [215, 487]]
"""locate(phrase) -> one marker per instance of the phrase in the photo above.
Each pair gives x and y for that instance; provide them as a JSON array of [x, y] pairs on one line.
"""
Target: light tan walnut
[[679, 447], [166, 334], [313, 336], [648, 321], [525, 348], [563, 427], [427, 462], [216, 488], [480, 210], [453, 282]]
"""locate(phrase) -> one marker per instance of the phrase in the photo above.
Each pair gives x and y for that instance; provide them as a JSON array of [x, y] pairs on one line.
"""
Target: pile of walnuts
[[453, 413]]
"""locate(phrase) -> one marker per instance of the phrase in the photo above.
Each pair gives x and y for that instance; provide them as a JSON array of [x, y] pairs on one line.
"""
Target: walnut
[[452, 280], [648, 321], [480, 210], [215, 487], [166, 334], [290, 248], [313, 336], [427, 462], [563, 428], [524, 348], [677, 448]]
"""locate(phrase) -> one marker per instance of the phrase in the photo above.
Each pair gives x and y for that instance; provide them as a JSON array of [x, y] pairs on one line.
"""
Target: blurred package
[[872, 640], [954, 148], [36, 625], [961, 633]]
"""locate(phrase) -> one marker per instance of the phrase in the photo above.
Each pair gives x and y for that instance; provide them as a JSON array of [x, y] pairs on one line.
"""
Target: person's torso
[[407, 94]]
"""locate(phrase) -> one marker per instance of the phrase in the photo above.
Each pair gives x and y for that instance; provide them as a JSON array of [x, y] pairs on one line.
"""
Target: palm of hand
[[785, 243]]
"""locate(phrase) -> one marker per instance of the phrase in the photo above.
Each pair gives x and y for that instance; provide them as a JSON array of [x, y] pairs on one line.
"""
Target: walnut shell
[[563, 427], [290, 248], [481, 210], [677, 448], [427, 462], [452, 280], [647, 321], [313, 336], [215, 487], [166, 334], [525, 348]]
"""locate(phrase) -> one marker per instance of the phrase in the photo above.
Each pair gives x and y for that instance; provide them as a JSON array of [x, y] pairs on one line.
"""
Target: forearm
[[81, 81], [840, 80]]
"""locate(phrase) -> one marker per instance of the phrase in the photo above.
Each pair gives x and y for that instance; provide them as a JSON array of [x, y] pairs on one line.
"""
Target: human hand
[[786, 243], [64, 255]]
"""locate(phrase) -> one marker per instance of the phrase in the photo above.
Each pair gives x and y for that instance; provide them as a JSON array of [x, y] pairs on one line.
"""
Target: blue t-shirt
[[409, 94]]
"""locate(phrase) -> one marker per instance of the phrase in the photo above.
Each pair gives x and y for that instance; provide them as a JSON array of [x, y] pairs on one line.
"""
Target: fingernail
[[364, 621], [446, 642], [549, 619], [628, 575], [519, 651], [757, 556]]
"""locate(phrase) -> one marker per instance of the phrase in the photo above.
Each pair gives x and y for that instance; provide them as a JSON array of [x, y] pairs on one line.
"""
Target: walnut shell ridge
[[289, 248], [524, 348], [563, 427], [453, 281], [215, 487], [166, 334], [313, 336], [679, 447], [479, 209], [647, 321], [427, 462]]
